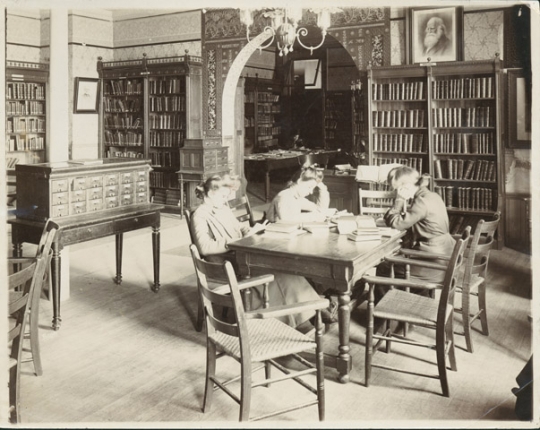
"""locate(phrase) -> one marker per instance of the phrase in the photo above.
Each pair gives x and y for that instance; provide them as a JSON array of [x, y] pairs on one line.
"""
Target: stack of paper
[[365, 234]]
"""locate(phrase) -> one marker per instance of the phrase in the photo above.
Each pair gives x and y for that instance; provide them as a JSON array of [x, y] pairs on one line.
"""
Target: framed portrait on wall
[[519, 109], [86, 95], [435, 34]]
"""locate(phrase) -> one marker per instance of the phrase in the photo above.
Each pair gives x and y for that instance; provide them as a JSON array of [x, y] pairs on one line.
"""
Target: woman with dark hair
[[291, 204], [214, 226], [423, 214]]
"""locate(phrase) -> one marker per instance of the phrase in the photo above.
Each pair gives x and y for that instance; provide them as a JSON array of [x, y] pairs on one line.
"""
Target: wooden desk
[[82, 228], [268, 162], [332, 260]]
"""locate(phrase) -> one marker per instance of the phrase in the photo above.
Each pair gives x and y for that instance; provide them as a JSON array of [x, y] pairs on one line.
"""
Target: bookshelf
[[150, 106], [338, 118], [262, 113], [26, 116], [442, 119]]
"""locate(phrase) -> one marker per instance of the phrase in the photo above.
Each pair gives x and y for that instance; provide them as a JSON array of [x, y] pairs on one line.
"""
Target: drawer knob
[[136, 220]]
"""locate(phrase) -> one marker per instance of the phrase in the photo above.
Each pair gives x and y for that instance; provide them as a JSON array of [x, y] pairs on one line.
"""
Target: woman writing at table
[[214, 226], [292, 205]]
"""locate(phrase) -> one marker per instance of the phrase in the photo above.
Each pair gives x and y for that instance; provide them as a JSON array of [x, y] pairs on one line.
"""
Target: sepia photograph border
[[416, 21]]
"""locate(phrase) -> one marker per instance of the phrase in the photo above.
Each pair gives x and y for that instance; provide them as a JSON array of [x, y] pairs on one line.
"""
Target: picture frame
[[86, 95], [445, 42], [519, 109]]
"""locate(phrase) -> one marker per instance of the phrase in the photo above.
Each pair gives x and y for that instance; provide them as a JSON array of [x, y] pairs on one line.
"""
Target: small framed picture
[[519, 109], [86, 95], [435, 34]]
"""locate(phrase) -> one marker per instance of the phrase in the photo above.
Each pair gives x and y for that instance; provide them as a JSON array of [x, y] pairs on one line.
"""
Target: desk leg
[[267, 186], [119, 245], [344, 363], [56, 276], [155, 251]]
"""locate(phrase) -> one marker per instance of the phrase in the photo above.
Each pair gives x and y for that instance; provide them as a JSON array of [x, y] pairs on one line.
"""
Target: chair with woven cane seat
[[24, 293], [43, 248], [255, 337], [410, 308]]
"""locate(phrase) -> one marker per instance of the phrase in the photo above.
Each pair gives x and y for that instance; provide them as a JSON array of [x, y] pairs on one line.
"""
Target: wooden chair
[[43, 248], [474, 278], [242, 210], [255, 337], [25, 287], [375, 203], [410, 308]]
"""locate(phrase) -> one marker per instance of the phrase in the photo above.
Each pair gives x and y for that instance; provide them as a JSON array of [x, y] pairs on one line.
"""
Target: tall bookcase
[[338, 118], [262, 113], [442, 119], [150, 106], [26, 114]]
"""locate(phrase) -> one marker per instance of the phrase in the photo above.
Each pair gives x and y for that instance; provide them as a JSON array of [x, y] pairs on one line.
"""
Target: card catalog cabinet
[[64, 189]]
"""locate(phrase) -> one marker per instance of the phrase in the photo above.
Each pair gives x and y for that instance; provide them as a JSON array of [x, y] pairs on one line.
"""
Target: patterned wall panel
[[397, 43], [91, 31], [483, 35], [158, 29], [157, 51]]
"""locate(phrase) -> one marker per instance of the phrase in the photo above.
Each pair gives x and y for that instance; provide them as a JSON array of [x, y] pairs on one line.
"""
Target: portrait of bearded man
[[436, 41]]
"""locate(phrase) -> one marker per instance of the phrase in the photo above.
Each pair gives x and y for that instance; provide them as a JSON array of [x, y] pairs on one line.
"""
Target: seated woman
[[425, 218], [291, 204], [214, 225]]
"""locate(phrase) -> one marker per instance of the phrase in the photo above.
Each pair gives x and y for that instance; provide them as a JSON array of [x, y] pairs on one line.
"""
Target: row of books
[[398, 91], [471, 198], [126, 138], [165, 158], [398, 118], [164, 180], [463, 88], [25, 107], [25, 90], [478, 116], [167, 86], [25, 125], [124, 121], [398, 142], [168, 104], [25, 143], [464, 143], [268, 130], [124, 154], [474, 170], [414, 162], [120, 87], [167, 197], [167, 139], [249, 121], [262, 109], [168, 121], [265, 118], [261, 97], [330, 124], [117, 105]]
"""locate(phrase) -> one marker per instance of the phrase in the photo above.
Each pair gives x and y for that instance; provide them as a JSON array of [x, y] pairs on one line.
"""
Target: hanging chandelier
[[284, 28]]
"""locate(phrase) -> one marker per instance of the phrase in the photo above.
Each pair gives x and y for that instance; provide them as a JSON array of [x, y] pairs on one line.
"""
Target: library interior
[[196, 196]]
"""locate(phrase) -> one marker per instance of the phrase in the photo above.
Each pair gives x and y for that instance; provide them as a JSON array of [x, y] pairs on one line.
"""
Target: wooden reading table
[[332, 260], [89, 226]]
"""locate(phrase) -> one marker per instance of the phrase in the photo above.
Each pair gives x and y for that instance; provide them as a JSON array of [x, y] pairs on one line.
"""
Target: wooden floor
[[126, 354]]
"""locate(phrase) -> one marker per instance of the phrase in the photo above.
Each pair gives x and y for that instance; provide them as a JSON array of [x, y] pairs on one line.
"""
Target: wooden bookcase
[[338, 117], [262, 114], [149, 107], [442, 119], [26, 116]]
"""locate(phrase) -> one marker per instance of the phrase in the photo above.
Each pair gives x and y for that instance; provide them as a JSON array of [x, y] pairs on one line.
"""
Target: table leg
[[119, 245], [344, 363], [56, 274], [267, 186], [155, 252]]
